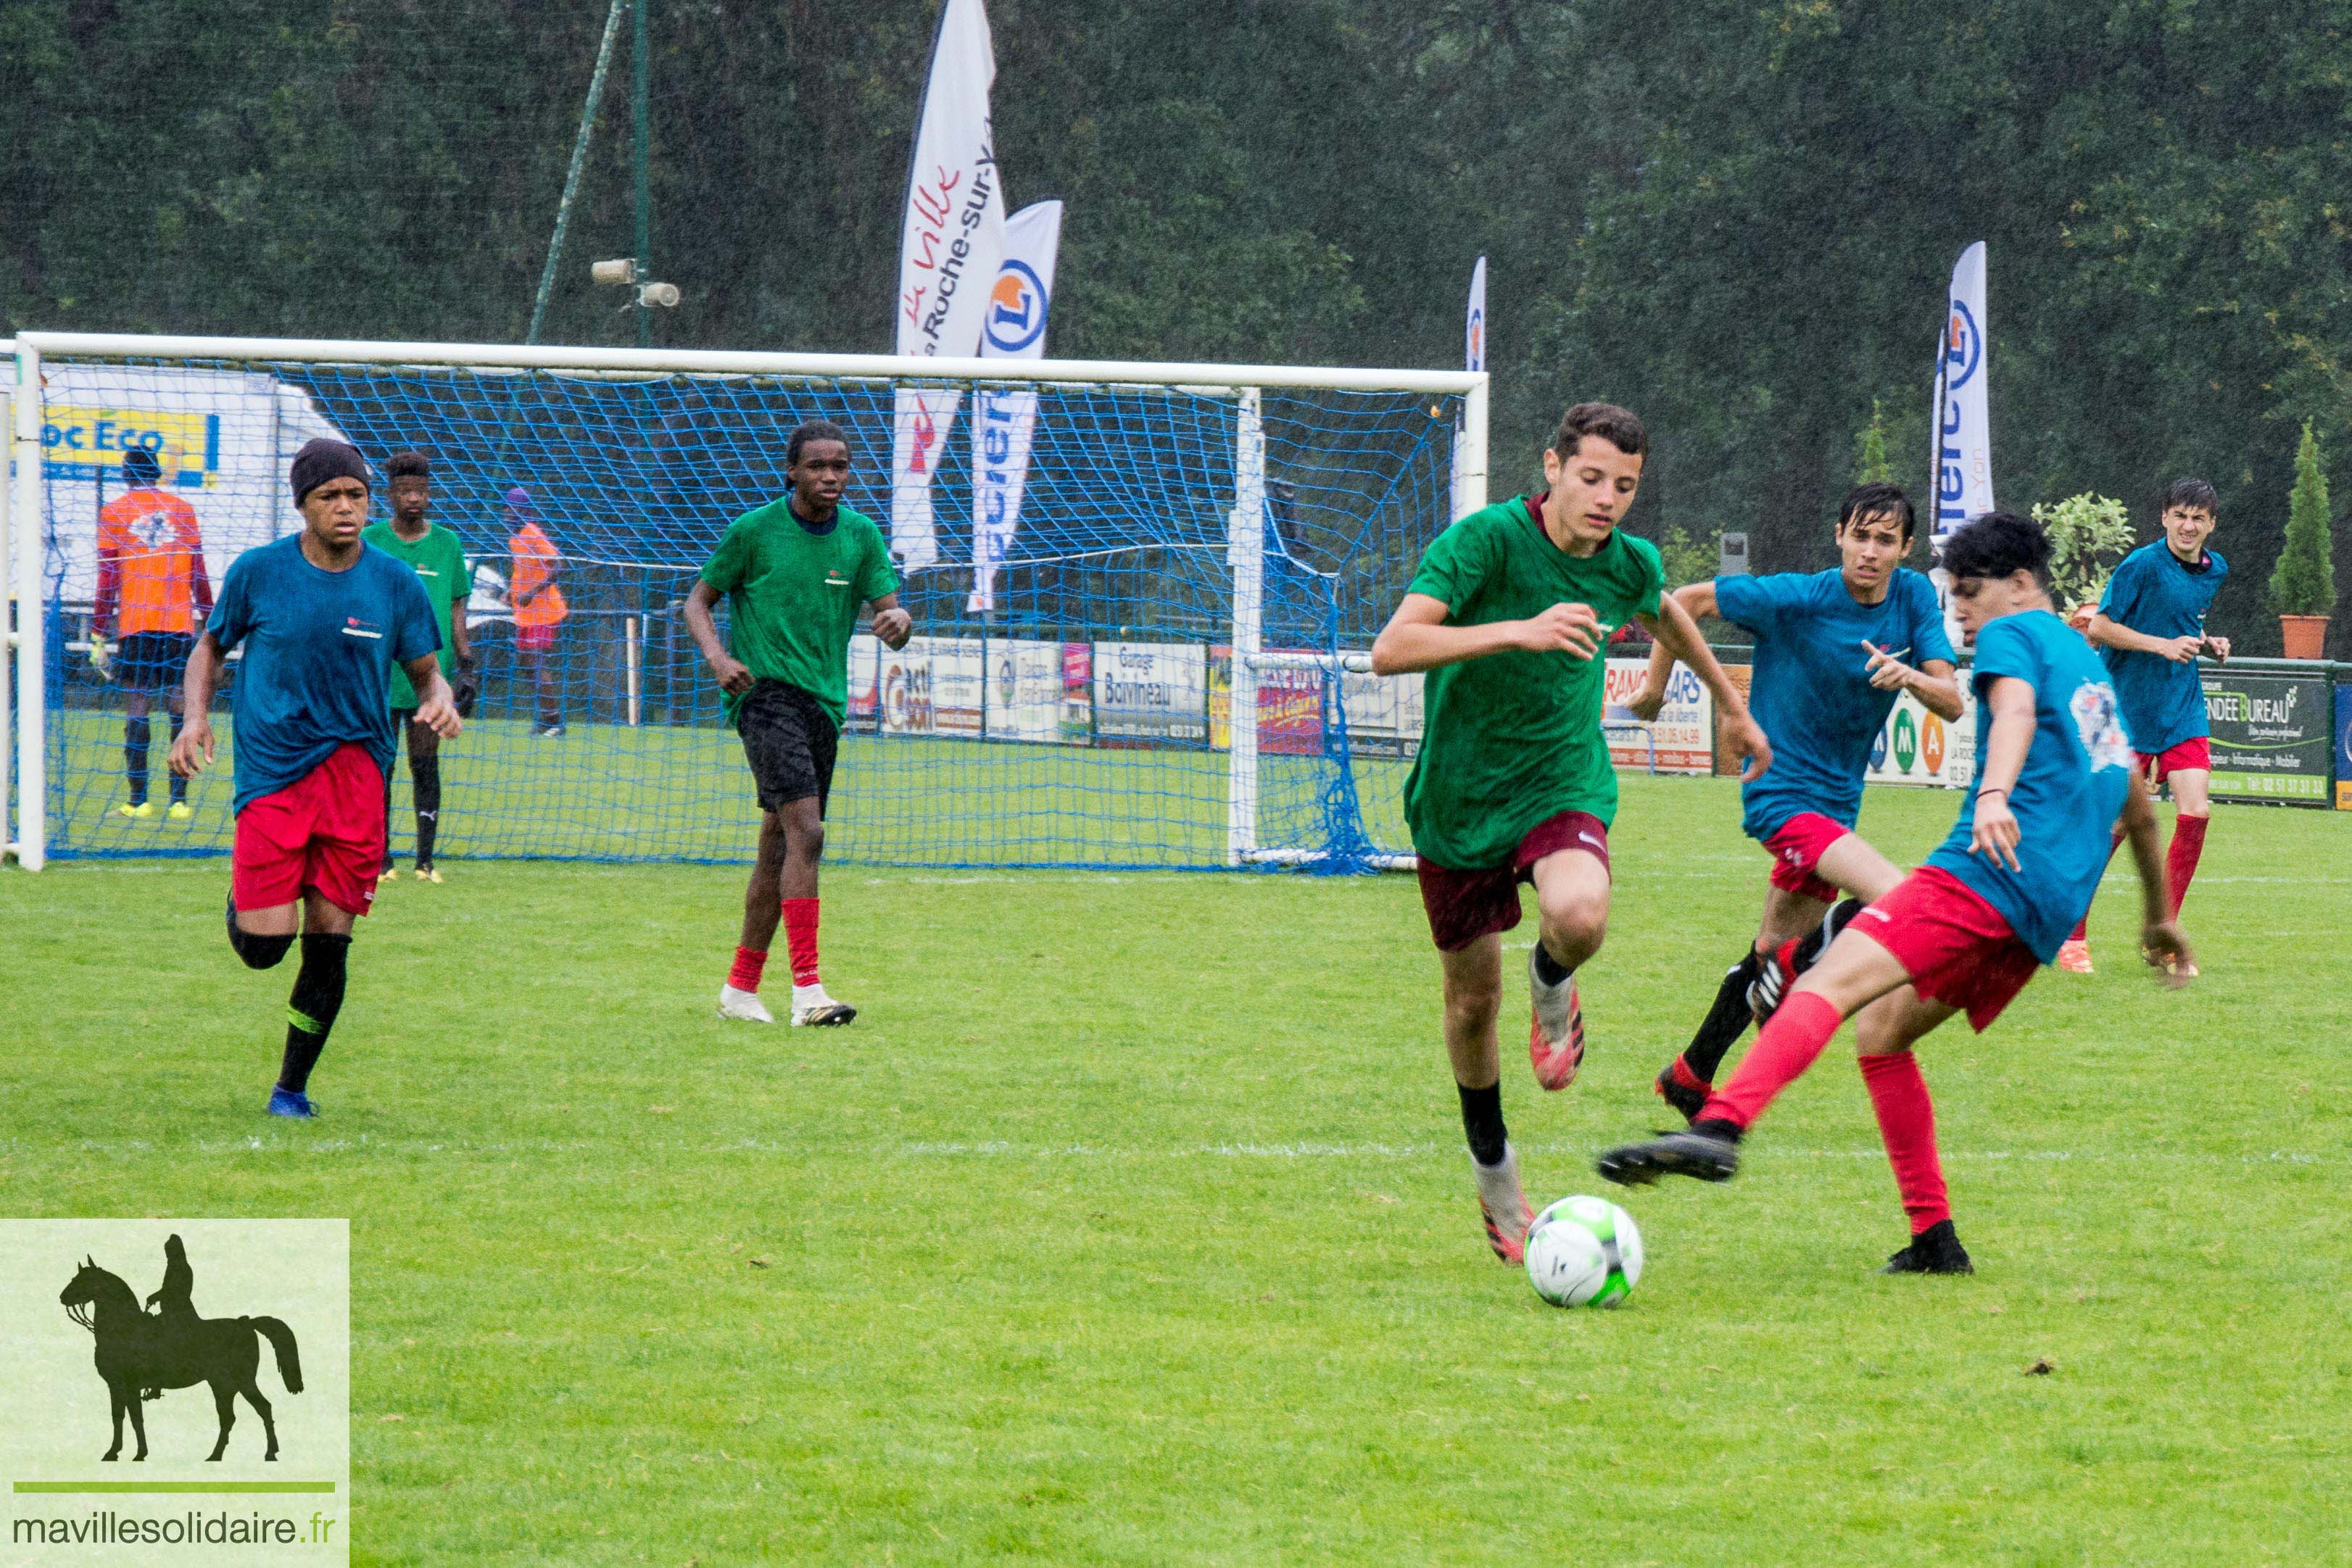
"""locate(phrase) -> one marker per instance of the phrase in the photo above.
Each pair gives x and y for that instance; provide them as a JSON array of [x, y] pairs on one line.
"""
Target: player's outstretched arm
[[192, 749], [1698, 599], [734, 675], [1933, 681], [892, 622], [2160, 942], [2108, 633], [437, 705], [1995, 834], [1417, 637], [1677, 633]]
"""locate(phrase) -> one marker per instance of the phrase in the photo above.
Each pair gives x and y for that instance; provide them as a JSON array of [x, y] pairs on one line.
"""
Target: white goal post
[[25, 542]]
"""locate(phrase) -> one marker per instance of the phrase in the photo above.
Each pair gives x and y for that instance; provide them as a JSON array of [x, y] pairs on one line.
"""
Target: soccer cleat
[[1556, 1030], [2075, 955], [549, 731], [431, 874], [137, 810], [812, 1008], [1686, 1091], [744, 1005], [1935, 1250], [1690, 1153], [1500, 1198], [1776, 972], [1510, 1246], [180, 811], [287, 1103]]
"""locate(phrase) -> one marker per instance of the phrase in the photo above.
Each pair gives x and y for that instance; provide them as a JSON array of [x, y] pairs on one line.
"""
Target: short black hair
[[409, 464], [2191, 493], [1620, 427], [810, 430], [140, 466], [1878, 500], [1999, 543]]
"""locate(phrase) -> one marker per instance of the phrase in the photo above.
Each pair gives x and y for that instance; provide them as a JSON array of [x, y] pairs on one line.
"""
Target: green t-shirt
[[794, 594], [1514, 739], [439, 562]]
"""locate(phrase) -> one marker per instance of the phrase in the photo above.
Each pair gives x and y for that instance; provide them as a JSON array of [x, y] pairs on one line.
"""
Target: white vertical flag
[[1474, 357], [1961, 416], [1004, 423], [950, 247]]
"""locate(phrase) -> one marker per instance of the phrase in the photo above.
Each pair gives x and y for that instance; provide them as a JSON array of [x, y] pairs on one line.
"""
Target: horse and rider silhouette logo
[[142, 1352]]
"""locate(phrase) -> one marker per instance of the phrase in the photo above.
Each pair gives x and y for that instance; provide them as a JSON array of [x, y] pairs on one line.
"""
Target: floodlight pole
[[638, 9], [571, 175]]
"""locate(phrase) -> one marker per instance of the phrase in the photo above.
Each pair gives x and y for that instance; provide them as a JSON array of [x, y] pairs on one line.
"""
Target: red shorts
[[1958, 949], [1463, 905], [536, 638], [1797, 846], [2158, 765], [323, 830]]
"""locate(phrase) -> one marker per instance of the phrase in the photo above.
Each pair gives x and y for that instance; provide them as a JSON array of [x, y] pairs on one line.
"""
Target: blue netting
[[1082, 719]]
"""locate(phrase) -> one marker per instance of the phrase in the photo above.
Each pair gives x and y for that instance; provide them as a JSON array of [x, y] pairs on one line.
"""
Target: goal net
[[1151, 652]]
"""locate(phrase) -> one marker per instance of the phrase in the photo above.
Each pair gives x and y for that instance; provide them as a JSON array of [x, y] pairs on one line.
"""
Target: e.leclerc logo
[[1964, 347], [1016, 308]]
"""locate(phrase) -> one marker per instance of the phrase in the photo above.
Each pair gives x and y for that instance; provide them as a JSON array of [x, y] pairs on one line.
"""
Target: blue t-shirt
[[2077, 772], [2154, 593], [1811, 689], [317, 645]]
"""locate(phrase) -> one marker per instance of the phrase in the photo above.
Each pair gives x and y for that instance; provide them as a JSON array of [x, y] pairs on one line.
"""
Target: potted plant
[[2303, 586], [2088, 534]]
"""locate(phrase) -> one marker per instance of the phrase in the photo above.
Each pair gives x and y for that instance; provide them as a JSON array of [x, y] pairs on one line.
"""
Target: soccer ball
[[1584, 1252]]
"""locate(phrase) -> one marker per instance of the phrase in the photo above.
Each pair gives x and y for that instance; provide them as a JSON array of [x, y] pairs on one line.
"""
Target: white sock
[[1498, 1183]]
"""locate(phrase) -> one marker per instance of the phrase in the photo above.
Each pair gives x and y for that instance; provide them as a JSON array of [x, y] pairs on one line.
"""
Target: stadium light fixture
[[625, 273]]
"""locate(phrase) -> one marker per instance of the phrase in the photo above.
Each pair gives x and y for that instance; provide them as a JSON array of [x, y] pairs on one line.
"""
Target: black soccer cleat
[[1704, 1155], [1778, 970], [1935, 1250], [1682, 1089]]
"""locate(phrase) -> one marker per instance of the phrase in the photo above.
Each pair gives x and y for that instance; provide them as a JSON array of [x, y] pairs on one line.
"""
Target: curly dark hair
[[810, 430], [1997, 545]]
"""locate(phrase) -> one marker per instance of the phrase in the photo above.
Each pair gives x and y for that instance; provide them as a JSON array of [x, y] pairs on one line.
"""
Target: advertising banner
[[1473, 358], [1383, 714], [950, 247], [1004, 423], [1684, 729], [932, 686], [864, 683], [1290, 706], [1962, 411], [2273, 737], [1917, 747], [2344, 748], [1150, 694], [1029, 694]]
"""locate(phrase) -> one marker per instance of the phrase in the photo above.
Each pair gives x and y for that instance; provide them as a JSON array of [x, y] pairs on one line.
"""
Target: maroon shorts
[[2158, 765], [1463, 905], [1797, 846], [1958, 949], [323, 830], [536, 638]]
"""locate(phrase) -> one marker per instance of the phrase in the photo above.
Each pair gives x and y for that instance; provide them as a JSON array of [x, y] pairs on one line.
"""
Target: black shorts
[[790, 740], [150, 661]]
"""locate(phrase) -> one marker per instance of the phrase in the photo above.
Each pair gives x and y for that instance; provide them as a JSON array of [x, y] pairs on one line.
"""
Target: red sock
[[1906, 1120], [1778, 1058], [799, 938], [2180, 860], [2082, 926], [749, 962]]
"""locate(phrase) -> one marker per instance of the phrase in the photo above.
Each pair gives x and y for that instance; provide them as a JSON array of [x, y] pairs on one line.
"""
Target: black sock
[[1481, 1121], [1549, 969], [1717, 1127], [425, 783], [1725, 1022], [258, 952], [179, 785], [310, 1010], [135, 735]]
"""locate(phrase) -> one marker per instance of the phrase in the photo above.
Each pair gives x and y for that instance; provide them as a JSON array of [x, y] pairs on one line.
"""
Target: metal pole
[[571, 175], [644, 189], [32, 641], [7, 627]]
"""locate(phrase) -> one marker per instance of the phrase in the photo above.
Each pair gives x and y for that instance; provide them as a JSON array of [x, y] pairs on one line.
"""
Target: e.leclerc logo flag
[[1473, 358], [1004, 423], [950, 251], [1962, 417]]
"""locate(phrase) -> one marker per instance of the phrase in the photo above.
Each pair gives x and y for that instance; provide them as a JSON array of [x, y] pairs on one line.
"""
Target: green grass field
[[1131, 1224]]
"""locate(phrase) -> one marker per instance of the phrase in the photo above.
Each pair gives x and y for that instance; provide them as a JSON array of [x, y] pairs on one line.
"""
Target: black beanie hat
[[140, 467], [322, 460]]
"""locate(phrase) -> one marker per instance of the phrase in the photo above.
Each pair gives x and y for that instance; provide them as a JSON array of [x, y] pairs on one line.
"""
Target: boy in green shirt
[[438, 560], [1508, 614], [794, 572]]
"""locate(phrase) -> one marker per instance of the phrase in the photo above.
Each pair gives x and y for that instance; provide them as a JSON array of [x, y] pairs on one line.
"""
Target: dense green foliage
[[2305, 581], [1736, 218]]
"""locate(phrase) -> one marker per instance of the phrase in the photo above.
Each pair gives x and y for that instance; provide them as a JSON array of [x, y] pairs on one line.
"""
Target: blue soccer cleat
[[287, 1103]]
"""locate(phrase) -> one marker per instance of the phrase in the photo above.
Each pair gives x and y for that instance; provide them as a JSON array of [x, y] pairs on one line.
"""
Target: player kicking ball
[[793, 573], [2150, 628], [1508, 613], [1833, 649], [323, 618], [1966, 931]]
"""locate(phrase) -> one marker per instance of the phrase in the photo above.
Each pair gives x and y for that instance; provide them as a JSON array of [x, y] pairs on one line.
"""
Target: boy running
[[794, 572], [323, 619], [152, 594], [2150, 628], [1832, 650], [1508, 613], [1965, 932], [439, 562]]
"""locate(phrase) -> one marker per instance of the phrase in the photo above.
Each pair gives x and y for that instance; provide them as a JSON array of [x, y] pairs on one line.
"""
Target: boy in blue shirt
[[1833, 651], [2150, 628], [322, 618], [1967, 930]]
